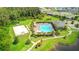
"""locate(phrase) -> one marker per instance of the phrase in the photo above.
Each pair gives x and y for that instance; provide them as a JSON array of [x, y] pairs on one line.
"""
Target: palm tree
[[65, 27], [28, 42], [15, 40], [64, 37], [72, 22], [77, 25]]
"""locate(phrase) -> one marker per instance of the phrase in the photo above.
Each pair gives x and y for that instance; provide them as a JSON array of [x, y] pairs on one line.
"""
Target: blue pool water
[[46, 28]]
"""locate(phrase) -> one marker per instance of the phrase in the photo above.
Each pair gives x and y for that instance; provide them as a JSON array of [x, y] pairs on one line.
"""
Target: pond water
[[74, 47]]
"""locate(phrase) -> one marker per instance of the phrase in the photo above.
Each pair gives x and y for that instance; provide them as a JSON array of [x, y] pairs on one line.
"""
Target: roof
[[20, 30], [59, 23]]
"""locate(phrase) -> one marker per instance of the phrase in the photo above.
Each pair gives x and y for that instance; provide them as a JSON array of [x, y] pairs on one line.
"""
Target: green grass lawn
[[21, 44], [50, 18], [46, 44], [50, 43], [63, 32], [22, 39], [73, 37], [26, 22], [47, 19]]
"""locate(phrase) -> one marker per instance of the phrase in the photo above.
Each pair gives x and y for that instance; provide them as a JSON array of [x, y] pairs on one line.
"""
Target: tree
[[4, 40], [11, 15], [62, 18], [65, 28], [15, 40], [76, 17], [72, 22], [64, 37], [77, 25], [57, 33], [27, 42]]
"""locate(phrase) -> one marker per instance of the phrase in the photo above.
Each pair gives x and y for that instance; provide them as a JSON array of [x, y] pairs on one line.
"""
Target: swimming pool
[[46, 28]]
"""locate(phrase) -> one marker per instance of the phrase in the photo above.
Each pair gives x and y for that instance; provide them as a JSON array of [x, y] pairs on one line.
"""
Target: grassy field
[[47, 19], [46, 44], [22, 39], [51, 43], [21, 44]]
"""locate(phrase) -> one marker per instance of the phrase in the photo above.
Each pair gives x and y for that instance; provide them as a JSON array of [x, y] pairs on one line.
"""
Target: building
[[20, 30], [68, 12], [67, 9], [59, 24]]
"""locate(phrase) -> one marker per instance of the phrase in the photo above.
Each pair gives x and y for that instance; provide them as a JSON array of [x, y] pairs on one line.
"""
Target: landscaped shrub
[[64, 37], [65, 28], [39, 44], [57, 33], [77, 25], [62, 18], [15, 40], [28, 42], [72, 22], [5, 39]]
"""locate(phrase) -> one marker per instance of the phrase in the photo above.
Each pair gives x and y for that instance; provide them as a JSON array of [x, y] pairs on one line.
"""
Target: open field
[[47, 44], [22, 39], [34, 32], [51, 43]]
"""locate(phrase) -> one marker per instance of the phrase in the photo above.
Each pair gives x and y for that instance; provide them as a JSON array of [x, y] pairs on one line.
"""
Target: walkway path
[[35, 43]]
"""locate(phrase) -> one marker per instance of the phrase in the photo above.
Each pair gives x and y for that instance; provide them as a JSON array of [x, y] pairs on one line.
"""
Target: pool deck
[[37, 25]]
